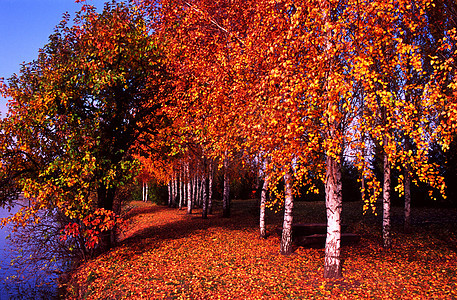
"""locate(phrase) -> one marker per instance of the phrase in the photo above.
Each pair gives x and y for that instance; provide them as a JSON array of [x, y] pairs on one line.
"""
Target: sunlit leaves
[[311, 81], [93, 226], [76, 112]]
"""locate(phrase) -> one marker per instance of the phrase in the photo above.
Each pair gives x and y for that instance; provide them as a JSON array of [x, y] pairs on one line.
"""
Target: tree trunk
[[175, 190], [205, 199], [263, 200], [362, 177], [189, 191], [333, 185], [386, 200], [407, 225], [200, 191], [196, 191], [106, 200], [191, 181], [286, 238], [210, 189], [106, 197], [226, 195], [333, 204], [170, 192], [198, 195], [181, 190], [145, 191]]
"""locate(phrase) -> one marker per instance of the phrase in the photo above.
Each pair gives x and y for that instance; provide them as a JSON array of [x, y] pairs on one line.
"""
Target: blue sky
[[25, 26]]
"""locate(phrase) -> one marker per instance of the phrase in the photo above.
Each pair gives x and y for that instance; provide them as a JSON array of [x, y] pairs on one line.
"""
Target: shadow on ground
[[149, 226]]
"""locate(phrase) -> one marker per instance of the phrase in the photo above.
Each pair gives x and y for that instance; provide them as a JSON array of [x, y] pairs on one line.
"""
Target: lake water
[[11, 289]]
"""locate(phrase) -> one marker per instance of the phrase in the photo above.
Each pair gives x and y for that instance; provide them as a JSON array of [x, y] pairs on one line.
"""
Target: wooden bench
[[301, 229], [318, 240], [313, 235]]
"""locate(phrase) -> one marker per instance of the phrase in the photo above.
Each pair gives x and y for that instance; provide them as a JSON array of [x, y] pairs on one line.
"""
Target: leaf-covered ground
[[167, 254]]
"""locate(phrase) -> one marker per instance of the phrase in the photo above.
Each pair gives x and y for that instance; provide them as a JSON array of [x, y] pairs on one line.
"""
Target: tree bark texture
[[333, 204], [106, 200], [189, 191], [181, 191], [210, 189], [263, 200], [226, 195], [175, 190], [286, 238], [145, 191], [386, 236], [199, 197], [170, 192], [205, 199], [106, 197], [407, 225], [194, 191]]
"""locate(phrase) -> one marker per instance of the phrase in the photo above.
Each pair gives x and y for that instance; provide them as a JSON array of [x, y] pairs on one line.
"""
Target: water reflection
[[21, 279]]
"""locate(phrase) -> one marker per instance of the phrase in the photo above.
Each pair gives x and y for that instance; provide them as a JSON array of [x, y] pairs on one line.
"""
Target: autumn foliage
[[311, 84], [75, 114], [291, 90]]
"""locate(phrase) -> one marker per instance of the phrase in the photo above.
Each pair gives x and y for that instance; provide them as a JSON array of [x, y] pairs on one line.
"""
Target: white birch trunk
[[170, 192], [205, 199], [189, 191], [362, 177], [226, 195], [181, 190], [333, 186], [407, 201], [263, 200], [407, 225], [198, 197], [175, 190], [386, 236], [192, 193], [286, 238], [200, 190], [333, 204], [145, 191], [210, 189]]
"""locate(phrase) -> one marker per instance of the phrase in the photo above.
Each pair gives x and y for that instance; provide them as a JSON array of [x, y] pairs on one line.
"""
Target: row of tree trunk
[[333, 189], [194, 189]]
